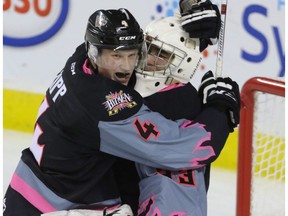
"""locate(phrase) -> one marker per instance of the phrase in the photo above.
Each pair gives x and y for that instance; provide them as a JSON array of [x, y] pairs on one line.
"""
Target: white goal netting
[[268, 156], [261, 152]]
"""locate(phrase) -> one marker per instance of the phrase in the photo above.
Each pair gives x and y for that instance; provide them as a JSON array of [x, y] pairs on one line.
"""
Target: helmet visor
[[162, 58]]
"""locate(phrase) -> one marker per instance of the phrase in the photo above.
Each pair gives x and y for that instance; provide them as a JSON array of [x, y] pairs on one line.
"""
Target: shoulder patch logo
[[116, 102]]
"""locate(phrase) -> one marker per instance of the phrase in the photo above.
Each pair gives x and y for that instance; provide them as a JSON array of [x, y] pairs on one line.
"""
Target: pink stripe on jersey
[[172, 87], [148, 207], [195, 161], [30, 194], [86, 69], [199, 147]]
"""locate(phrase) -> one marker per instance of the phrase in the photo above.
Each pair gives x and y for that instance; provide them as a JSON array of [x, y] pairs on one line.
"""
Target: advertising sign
[[39, 36]]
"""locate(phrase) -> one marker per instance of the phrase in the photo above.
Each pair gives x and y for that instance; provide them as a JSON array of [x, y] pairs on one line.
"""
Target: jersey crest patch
[[118, 101]]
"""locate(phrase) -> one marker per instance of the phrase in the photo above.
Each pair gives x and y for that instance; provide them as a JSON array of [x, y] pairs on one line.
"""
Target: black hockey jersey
[[86, 123]]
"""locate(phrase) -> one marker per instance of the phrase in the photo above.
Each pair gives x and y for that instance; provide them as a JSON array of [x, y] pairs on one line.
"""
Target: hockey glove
[[223, 94], [123, 210], [201, 19]]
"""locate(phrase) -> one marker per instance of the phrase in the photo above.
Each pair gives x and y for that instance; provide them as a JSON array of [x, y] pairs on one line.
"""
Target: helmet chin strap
[[171, 80]]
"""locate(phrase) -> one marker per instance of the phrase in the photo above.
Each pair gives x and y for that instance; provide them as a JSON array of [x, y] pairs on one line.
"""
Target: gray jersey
[[179, 193], [150, 139], [183, 192], [183, 147]]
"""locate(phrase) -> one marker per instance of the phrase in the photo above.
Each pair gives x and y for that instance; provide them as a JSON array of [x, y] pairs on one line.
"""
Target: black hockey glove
[[221, 93], [201, 19]]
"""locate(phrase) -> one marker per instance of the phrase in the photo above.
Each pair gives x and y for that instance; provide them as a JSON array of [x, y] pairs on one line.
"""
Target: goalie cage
[[261, 150]]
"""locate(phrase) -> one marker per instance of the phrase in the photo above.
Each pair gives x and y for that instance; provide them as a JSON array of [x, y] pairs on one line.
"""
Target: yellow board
[[20, 111], [229, 154]]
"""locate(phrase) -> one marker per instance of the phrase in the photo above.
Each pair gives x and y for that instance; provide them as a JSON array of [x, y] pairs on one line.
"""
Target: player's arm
[[150, 139], [220, 94]]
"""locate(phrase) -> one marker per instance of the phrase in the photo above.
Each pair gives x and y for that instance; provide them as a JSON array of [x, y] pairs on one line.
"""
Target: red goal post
[[261, 152]]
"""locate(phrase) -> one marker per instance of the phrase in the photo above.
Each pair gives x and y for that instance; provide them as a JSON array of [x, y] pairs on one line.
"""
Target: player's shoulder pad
[[105, 99], [117, 101]]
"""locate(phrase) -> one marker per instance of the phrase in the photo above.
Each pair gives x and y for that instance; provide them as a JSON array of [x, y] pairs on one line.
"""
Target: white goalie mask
[[172, 56]]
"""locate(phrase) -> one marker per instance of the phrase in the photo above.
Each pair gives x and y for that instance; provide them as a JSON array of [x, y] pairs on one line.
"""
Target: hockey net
[[261, 151]]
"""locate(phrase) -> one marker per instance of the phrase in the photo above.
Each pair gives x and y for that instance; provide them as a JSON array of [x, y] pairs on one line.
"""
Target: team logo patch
[[118, 101]]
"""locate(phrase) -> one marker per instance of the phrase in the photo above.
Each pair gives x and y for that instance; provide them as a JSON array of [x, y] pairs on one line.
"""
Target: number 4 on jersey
[[146, 129]]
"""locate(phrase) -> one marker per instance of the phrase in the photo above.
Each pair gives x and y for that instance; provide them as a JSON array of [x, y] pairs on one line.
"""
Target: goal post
[[261, 148]]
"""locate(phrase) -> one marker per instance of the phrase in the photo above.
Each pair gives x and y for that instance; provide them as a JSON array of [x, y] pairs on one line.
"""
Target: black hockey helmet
[[113, 29]]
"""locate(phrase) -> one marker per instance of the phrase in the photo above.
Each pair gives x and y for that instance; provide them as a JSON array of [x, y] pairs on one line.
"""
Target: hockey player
[[173, 57], [92, 119]]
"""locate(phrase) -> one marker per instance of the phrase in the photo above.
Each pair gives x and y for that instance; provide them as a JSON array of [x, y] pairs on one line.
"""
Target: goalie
[[174, 47]]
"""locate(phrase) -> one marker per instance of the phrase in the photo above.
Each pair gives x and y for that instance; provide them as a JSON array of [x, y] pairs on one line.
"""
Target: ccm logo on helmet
[[127, 38]]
